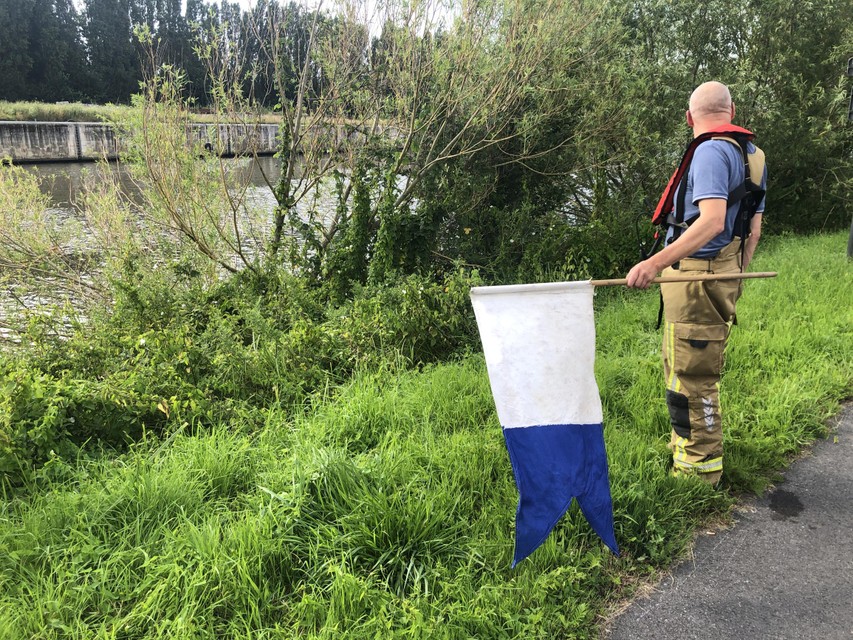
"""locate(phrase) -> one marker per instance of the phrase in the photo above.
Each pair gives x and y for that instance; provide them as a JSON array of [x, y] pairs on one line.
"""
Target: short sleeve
[[711, 171]]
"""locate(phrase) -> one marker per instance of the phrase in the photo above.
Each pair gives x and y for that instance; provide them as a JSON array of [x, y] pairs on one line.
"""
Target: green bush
[[42, 415], [172, 352], [423, 320]]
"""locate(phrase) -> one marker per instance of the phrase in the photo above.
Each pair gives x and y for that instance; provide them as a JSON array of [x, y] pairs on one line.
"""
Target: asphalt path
[[784, 570]]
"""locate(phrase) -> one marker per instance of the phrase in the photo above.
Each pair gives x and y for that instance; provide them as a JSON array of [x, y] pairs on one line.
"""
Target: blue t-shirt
[[716, 170]]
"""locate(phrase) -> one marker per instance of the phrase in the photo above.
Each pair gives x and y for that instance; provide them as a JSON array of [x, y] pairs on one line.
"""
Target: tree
[[15, 53], [58, 58], [198, 18], [41, 53], [113, 59], [422, 105], [477, 107], [792, 94]]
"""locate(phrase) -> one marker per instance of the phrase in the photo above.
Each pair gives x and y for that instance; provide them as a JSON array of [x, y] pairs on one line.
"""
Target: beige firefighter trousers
[[698, 317]]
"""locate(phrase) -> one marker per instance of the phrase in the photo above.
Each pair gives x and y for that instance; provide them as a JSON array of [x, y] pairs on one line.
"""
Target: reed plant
[[83, 112], [386, 509], [60, 111]]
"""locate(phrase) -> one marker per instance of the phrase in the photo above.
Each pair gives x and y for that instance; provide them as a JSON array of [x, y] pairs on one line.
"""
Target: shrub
[[171, 351], [42, 415]]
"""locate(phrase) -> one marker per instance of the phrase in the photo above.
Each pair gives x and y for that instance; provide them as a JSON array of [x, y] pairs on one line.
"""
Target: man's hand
[[710, 223], [641, 275]]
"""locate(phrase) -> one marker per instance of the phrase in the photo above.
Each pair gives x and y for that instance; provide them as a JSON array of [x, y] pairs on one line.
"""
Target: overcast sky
[[441, 10]]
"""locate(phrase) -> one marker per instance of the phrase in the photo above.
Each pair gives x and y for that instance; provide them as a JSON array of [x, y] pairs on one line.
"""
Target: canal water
[[64, 183]]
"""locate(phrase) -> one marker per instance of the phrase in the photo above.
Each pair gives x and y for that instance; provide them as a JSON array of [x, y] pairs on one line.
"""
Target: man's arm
[[710, 223], [752, 240]]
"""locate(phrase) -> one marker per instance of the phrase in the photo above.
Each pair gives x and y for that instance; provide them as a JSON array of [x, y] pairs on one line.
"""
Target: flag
[[539, 344]]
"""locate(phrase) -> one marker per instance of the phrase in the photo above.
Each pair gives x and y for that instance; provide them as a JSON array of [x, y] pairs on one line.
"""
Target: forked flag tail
[[539, 344]]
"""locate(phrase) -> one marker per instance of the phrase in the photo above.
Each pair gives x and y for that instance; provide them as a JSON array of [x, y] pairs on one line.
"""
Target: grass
[[788, 362], [60, 112], [388, 511], [79, 112]]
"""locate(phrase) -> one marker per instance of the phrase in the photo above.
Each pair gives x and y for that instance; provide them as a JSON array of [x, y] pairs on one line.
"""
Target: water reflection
[[63, 182]]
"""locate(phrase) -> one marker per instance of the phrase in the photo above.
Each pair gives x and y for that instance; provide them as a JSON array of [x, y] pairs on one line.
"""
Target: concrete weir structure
[[33, 142]]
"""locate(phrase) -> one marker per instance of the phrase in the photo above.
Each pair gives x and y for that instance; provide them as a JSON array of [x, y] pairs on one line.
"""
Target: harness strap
[[748, 194], [680, 206], [666, 204], [744, 203]]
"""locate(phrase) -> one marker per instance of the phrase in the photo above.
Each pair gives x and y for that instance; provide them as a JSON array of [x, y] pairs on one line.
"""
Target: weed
[[385, 509]]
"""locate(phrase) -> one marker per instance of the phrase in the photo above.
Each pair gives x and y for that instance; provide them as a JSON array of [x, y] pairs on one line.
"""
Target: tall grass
[[60, 111], [388, 511], [80, 112]]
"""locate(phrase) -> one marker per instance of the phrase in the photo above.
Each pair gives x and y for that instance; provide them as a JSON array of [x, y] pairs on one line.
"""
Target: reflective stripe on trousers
[[699, 316]]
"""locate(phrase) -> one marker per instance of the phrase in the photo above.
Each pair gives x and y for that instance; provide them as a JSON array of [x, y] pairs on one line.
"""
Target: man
[[698, 315]]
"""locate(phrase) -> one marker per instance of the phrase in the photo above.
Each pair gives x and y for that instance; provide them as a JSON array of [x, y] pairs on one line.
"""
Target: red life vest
[[666, 203]]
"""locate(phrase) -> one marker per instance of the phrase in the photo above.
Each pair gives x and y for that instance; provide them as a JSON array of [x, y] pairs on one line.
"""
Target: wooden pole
[[703, 276]]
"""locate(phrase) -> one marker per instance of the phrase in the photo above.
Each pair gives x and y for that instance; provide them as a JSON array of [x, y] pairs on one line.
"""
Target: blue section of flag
[[553, 464]]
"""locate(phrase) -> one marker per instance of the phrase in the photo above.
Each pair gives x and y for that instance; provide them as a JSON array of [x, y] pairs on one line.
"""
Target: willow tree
[[385, 108], [390, 102]]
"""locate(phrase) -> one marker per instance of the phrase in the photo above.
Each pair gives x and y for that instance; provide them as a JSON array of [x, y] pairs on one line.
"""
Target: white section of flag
[[539, 344]]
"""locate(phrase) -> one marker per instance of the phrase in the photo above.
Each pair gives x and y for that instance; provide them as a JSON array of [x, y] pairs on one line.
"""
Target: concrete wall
[[95, 141], [236, 139], [37, 141], [70, 141]]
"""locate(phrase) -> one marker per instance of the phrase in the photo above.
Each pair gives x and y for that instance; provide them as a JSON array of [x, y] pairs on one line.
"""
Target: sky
[[443, 9]]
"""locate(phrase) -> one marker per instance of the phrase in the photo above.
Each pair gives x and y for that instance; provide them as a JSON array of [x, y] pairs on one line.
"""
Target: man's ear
[[689, 116], [733, 110]]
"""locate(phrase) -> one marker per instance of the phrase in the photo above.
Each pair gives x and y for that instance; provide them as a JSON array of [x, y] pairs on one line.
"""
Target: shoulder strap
[[749, 193], [666, 203], [753, 163]]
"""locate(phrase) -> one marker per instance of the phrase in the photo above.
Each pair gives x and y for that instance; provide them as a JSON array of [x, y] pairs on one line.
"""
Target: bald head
[[710, 104]]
